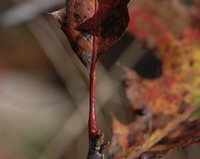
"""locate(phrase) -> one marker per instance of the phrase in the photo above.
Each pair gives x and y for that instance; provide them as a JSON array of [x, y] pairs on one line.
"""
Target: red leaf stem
[[92, 123]]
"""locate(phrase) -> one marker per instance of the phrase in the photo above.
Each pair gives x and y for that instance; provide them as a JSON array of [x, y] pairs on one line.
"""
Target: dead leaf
[[169, 104], [82, 20], [91, 27]]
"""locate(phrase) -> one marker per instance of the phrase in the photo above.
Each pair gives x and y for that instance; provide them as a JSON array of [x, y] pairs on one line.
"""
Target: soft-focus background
[[44, 87]]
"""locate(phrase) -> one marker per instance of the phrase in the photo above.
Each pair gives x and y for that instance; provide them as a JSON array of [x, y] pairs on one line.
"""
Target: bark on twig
[[97, 146]]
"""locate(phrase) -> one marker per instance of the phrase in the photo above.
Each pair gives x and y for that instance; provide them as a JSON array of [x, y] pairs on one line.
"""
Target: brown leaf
[[166, 108], [82, 20], [91, 27]]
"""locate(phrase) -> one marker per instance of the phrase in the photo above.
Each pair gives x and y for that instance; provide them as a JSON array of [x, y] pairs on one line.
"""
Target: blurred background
[[44, 86]]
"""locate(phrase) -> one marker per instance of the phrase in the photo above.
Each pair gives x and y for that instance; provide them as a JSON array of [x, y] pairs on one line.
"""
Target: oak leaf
[[166, 108]]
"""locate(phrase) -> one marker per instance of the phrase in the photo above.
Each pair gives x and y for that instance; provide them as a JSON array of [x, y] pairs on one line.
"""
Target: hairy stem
[[92, 110]]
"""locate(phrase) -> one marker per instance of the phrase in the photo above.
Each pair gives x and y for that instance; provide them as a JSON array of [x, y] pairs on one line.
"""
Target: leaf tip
[[58, 15]]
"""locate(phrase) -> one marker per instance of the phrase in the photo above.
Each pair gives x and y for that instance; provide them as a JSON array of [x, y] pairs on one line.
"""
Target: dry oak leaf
[[168, 106], [82, 20]]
